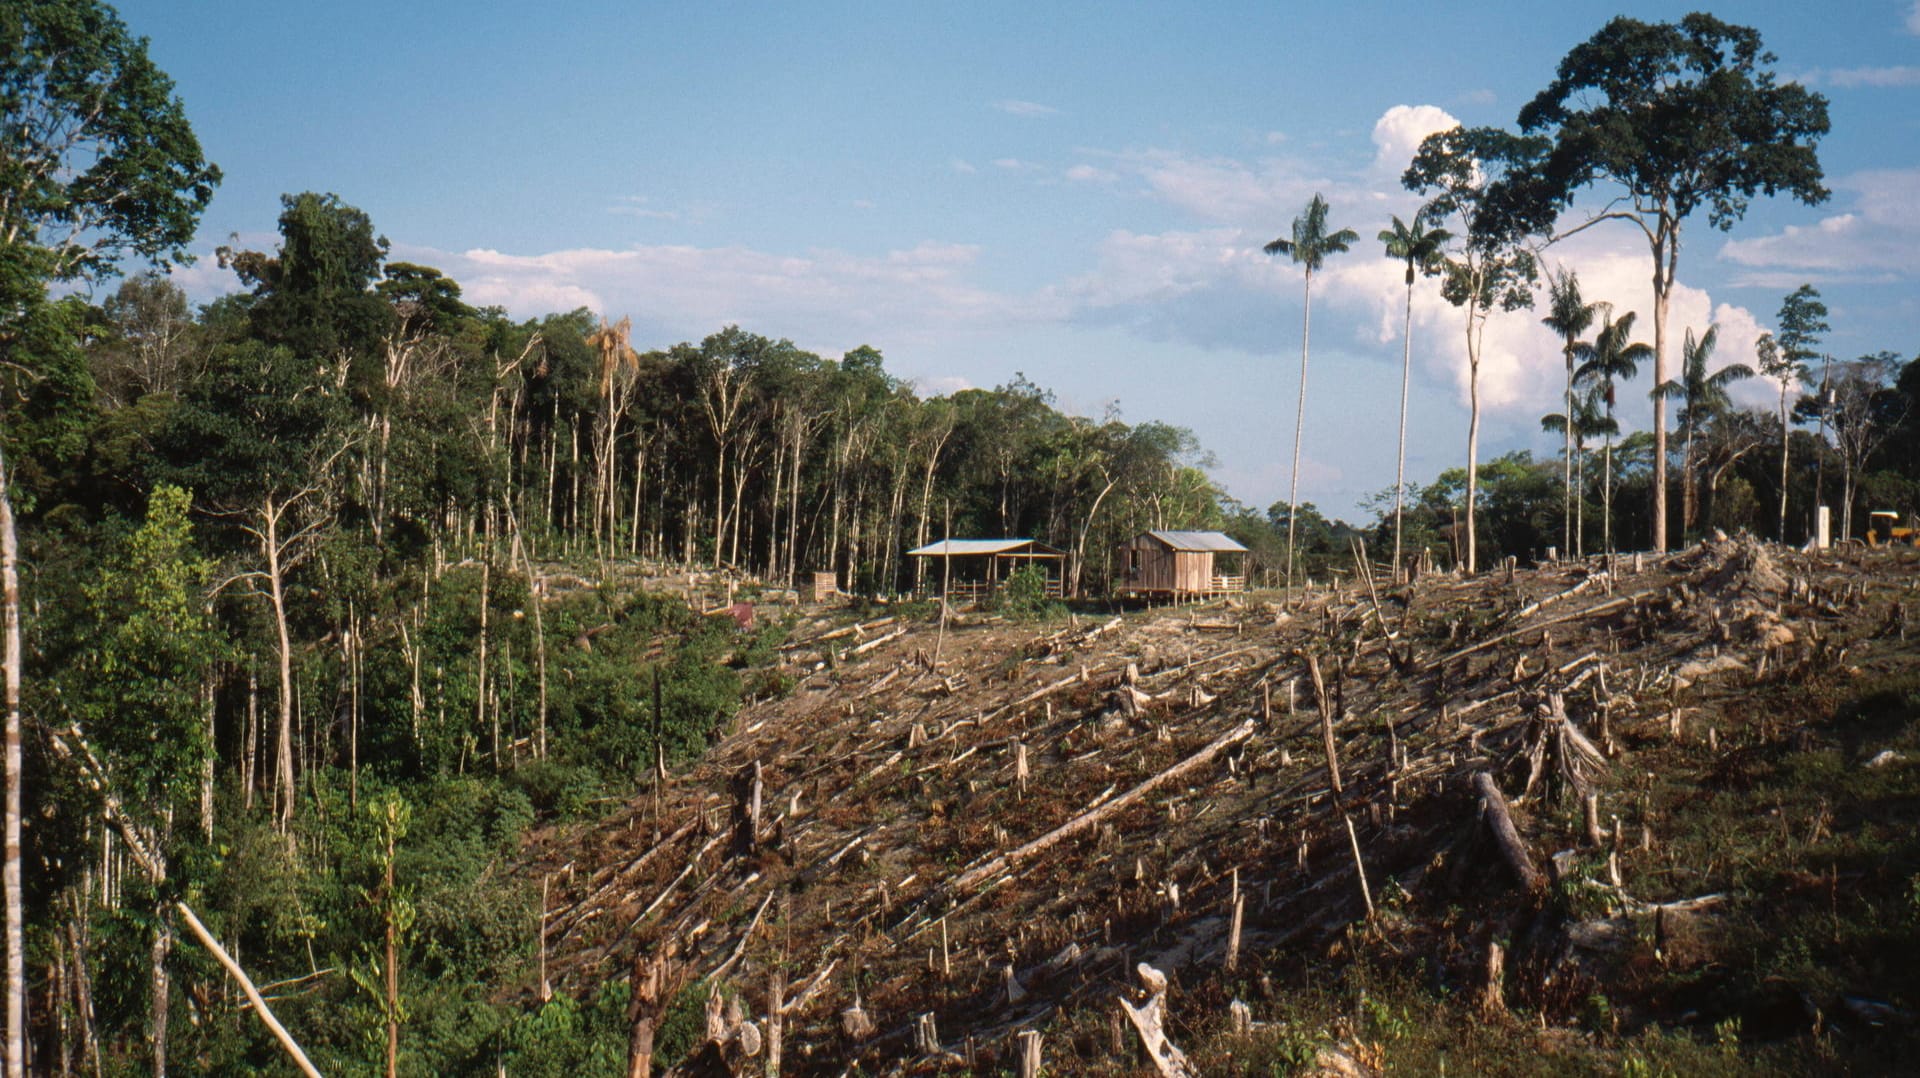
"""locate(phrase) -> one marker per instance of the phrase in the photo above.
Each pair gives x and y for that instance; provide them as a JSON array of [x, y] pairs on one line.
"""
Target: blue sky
[[1078, 192]]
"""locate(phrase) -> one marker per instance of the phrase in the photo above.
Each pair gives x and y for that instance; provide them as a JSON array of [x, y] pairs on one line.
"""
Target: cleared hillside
[[993, 824]]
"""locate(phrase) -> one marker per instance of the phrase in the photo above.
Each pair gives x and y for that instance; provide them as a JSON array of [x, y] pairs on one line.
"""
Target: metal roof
[[1213, 541], [960, 548]]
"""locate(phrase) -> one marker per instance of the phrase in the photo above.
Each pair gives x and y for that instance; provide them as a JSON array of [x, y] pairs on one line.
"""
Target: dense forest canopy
[[327, 588]]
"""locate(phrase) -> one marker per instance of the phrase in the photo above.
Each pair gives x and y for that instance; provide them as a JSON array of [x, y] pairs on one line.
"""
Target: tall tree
[[1613, 358], [1423, 250], [1775, 363], [1803, 321], [1702, 395], [1589, 420], [1865, 409], [1679, 116], [1568, 316], [1308, 246], [1489, 268], [97, 162]]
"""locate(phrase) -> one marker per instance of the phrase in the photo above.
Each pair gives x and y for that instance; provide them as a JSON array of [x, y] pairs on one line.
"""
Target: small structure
[[1176, 565], [973, 568], [825, 586]]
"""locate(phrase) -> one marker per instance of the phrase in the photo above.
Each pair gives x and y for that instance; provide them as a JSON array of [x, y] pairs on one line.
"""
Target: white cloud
[[963, 166], [636, 206], [1399, 131], [1875, 238], [1029, 109], [827, 300], [1085, 173], [1852, 77]]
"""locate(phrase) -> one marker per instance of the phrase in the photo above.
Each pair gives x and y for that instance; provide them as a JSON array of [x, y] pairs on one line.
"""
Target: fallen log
[[1000, 863], [1493, 808]]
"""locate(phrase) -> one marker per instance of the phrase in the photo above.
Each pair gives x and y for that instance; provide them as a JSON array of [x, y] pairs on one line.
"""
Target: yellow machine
[[1884, 529]]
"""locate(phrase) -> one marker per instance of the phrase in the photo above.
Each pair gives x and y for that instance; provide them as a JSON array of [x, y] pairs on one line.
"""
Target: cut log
[[1493, 809]]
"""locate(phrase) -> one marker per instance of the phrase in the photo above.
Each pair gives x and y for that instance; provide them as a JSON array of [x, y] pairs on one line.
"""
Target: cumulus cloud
[[1874, 238], [1399, 132]]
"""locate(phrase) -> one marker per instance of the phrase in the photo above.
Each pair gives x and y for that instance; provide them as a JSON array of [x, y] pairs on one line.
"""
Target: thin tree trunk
[[1406, 382], [1606, 492], [283, 760], [1785, 440], [157, 1030], [1566, 464], [1473, 443], [1299, 421], [16, 1044]]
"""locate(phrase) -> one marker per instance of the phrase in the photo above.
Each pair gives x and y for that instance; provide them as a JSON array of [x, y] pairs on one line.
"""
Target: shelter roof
[[1213, 541], [960, 548]]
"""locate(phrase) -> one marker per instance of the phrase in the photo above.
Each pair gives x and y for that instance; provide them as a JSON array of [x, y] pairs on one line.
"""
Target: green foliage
[[1683, 116], [1023, 596], [97, 159]]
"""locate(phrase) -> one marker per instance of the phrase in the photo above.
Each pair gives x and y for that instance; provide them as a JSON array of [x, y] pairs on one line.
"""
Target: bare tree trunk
[[16, 1044], [162, 948], [1406, 382], [1784, 441], [1299, 421], [283, 791], [1666, 253]]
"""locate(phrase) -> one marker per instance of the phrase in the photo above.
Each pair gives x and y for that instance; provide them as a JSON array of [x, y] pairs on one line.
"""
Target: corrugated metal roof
[[1213, 541], [960, 548]]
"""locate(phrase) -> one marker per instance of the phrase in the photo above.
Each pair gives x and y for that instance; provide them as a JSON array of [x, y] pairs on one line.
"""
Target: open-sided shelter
[[1177, 564], [973, 568]]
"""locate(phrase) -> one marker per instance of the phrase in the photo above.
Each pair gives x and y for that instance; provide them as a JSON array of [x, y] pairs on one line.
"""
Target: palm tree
[[1422, 249], [1569, 318], [1588, 421], [1611, 358], [1309, 246], [1702, 395]]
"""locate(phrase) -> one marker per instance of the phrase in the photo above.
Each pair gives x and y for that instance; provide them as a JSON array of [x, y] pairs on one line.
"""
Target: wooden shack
[[973, 568], [1177, 565]]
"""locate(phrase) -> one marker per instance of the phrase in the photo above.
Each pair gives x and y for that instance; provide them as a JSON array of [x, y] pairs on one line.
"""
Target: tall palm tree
[[1423, 250], [1589, 421], [1702, 396], [1309, 246], [1568, 317], [1610, 359]]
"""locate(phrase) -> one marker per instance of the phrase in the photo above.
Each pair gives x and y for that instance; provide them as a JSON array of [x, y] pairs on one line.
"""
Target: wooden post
[[1359, 867], [1326, 723], [776, 999], [1029, 1040]]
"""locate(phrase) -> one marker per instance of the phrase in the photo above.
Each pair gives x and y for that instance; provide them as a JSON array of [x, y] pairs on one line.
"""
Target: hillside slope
[[994, 824]]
